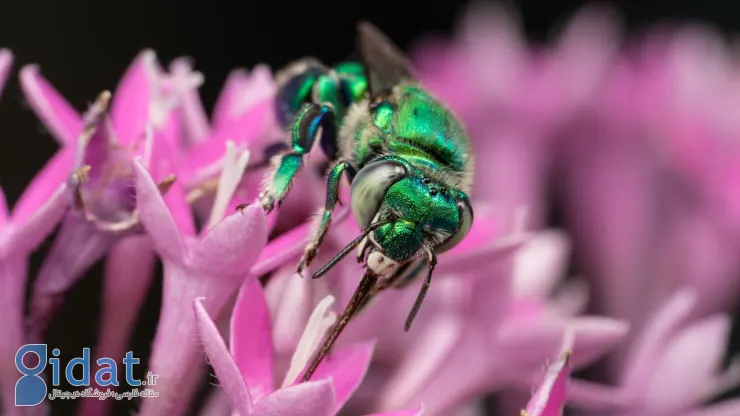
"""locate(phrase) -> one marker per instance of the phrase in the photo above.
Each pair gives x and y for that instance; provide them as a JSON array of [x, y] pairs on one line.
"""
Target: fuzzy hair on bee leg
[[332, 198]]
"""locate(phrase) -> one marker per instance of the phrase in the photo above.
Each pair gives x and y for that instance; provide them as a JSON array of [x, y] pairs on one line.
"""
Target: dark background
[[83, 47]]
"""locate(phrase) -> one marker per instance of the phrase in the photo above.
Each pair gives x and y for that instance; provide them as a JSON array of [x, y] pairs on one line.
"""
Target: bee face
[[422, 212]]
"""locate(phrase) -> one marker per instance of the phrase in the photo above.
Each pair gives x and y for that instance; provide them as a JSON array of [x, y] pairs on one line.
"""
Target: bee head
[[421, 212]]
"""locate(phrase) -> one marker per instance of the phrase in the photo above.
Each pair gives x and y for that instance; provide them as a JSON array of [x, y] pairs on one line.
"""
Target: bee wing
[[385, 64]]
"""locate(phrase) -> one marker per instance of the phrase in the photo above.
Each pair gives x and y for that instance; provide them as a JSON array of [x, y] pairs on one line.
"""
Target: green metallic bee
[[406, 156]]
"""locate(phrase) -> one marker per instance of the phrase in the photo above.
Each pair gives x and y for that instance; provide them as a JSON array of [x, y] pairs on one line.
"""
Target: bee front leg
[[311, 119], [332, 197]]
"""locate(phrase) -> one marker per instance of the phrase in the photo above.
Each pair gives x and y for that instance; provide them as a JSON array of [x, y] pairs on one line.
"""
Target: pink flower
[[496, 331], [514, 98], [32, 219], [101, 177], [211, 264], [246, 371], [674, 367]]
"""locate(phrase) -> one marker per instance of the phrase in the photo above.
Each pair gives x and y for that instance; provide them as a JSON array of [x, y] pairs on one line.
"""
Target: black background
[[83, 47]]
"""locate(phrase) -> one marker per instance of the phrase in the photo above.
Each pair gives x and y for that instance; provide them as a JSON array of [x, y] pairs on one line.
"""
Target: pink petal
[[234, 87], [133, 98], [315, 398], [233, 245], [46, 183], [29, 234], [540, 265], [6, 63], [156, 217], [58, 116], [654, 338], [289, 297], [347, 368], [194, 116], [683, 377], [549, 399], [414, 412], [158, 160], [530, 344], [251, 339], [218, 355], [433, 351], [726, 408], [284, 248]]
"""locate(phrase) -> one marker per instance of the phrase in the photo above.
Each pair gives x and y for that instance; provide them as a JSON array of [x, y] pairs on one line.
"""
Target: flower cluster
[[637, 138]]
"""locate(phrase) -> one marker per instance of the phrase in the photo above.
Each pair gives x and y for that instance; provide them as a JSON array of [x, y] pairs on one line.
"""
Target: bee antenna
[[424, 288], [342, 254]]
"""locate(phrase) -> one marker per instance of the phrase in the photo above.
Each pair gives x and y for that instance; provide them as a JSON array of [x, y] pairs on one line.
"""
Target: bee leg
[[311, 119], [423, 292], [332, 197]]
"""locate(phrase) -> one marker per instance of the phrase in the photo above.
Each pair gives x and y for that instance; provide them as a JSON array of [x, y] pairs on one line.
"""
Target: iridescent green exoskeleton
[[406, 156]]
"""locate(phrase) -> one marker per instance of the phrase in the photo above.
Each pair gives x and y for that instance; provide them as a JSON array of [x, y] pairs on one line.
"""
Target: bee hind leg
[[310, 120], [332, 198]]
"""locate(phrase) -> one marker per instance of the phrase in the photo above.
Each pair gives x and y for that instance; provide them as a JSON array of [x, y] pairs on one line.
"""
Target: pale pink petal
[[156, 217], [251, 339], [584, 52], [250, 127], [540, 264], [653, 340], [235, 86], [688, 364], [233, 245], [549, 398], [218, 356], [6, 63], [58, 116], [346, 368], [132, 99], [529, 344], [725, 408], [31, 233], [315, 398], [194, 116], [431, 351], [414, 412], [44, 185], [290, 298]]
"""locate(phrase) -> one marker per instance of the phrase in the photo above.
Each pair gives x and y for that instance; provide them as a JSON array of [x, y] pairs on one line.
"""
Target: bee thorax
[[380, 264]]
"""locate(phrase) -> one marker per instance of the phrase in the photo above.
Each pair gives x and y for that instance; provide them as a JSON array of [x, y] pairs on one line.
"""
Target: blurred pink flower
[[514, 98], [495, 329], [674, 367], [245, 370]]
